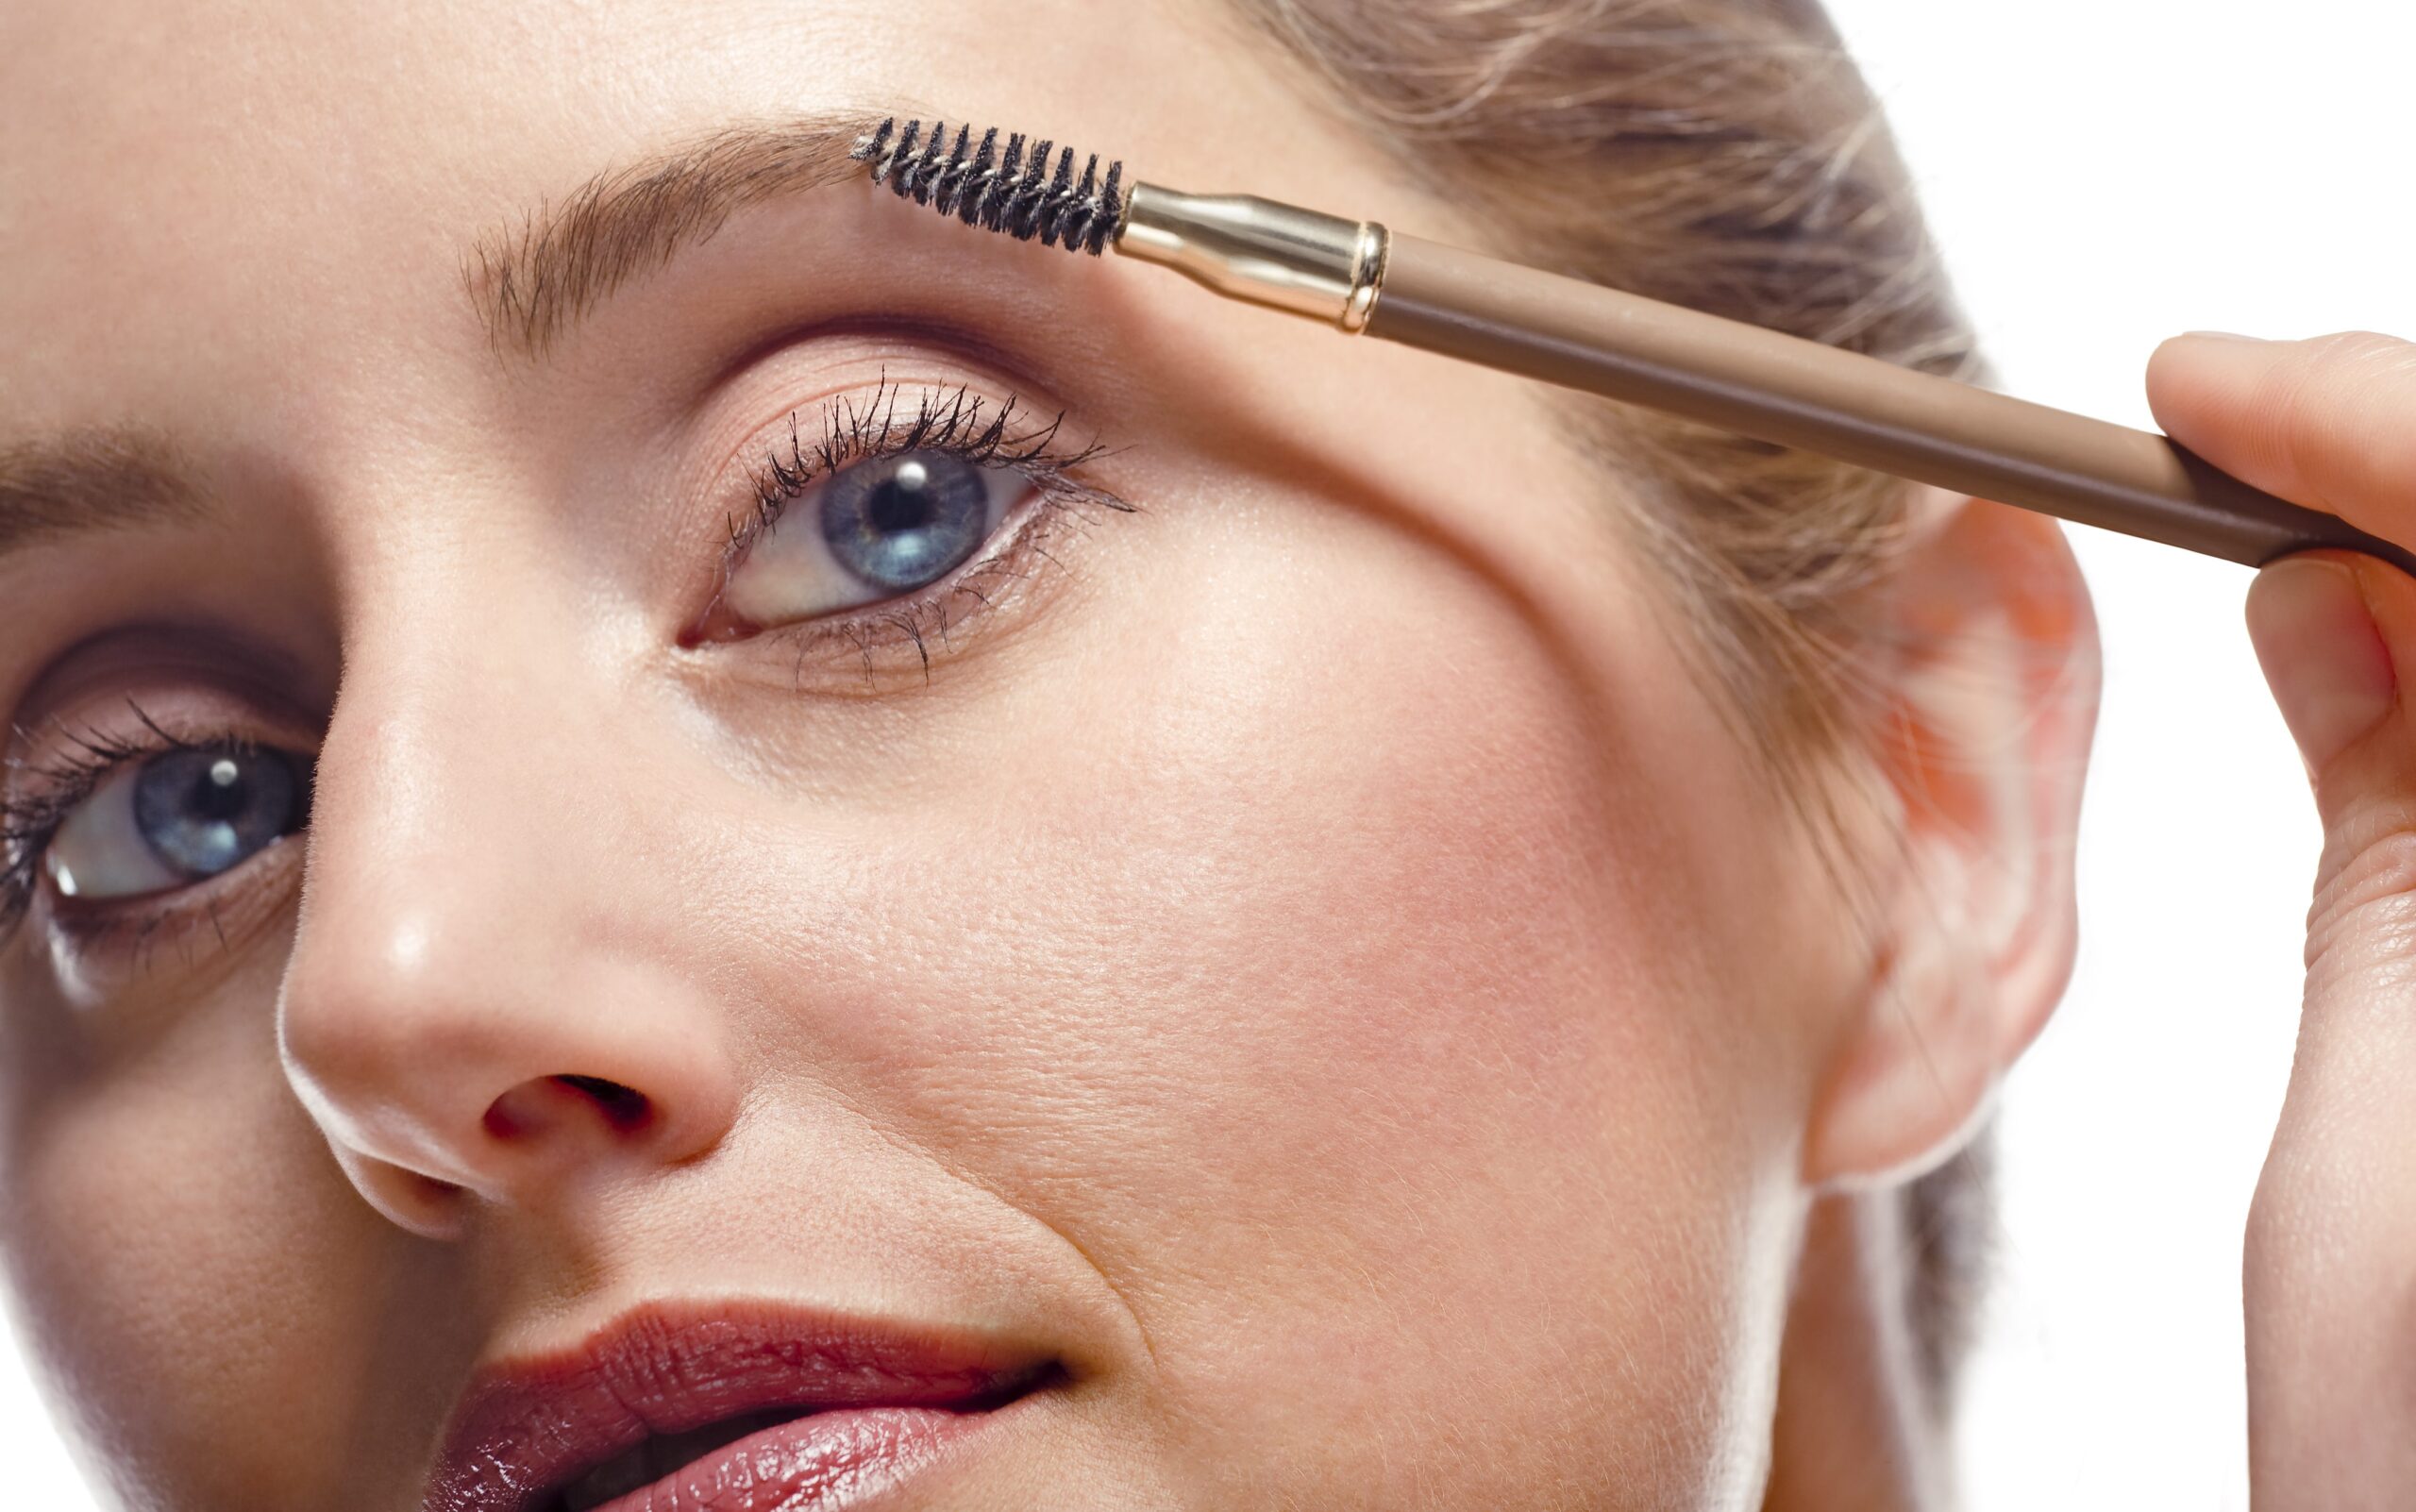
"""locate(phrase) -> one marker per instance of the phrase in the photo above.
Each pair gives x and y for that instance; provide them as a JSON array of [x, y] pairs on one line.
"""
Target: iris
[[203, 810], [903, 521]]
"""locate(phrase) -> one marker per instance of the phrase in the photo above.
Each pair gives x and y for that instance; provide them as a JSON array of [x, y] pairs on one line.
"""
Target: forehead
[[236, 188]]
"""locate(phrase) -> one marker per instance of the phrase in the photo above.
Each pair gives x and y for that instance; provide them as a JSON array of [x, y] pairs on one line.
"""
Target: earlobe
[[1921, 1052], [1980, 737]]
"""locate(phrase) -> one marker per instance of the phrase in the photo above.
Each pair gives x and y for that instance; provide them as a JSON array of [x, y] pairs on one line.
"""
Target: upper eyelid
[[951, 414], [93, 755], [856, 427]]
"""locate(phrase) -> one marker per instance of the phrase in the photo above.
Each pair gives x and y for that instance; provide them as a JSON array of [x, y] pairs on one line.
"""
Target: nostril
[[624, 1107], [553, 1104]]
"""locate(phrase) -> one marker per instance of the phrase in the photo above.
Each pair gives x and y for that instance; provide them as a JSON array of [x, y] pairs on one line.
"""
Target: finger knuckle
[[2367, 899]]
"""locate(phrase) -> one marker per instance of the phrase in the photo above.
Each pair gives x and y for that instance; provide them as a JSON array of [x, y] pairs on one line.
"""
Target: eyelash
[[29, 823], [951, 420]]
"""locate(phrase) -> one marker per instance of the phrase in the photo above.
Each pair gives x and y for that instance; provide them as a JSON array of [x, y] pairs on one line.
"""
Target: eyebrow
[[530, 282], [93, 479]]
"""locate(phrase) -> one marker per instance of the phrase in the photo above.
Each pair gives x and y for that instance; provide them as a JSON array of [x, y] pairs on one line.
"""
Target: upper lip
[[526, 1426]]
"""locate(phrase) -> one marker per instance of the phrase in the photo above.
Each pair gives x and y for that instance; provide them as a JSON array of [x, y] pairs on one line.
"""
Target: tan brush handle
[[1358, 277], [1796, 392]]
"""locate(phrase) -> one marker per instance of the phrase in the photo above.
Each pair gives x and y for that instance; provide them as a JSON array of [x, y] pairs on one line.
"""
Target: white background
[[2103, 173]]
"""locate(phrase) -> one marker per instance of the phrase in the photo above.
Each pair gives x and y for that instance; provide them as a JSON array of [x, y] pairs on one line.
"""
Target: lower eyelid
[[899, 642], [109, 944]]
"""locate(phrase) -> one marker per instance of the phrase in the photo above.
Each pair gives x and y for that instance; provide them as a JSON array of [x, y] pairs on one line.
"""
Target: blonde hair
[[1725, 155]]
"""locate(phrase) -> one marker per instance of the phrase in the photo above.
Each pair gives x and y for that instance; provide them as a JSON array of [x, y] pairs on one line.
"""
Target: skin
[[1314, 956], [2332, 1229]]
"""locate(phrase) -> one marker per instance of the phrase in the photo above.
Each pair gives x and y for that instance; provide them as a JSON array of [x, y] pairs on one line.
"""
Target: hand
[[2330, 1269]]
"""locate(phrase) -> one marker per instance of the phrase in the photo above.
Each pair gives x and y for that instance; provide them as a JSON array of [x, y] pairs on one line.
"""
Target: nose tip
[[491, 1000], [462, 1069], [537, 1137]]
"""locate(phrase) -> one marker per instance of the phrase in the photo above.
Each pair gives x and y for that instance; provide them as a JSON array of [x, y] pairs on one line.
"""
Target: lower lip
[[844, 1457]]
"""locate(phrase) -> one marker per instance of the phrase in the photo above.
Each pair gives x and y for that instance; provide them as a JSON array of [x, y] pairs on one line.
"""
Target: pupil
[[221, 792], [900, 505]]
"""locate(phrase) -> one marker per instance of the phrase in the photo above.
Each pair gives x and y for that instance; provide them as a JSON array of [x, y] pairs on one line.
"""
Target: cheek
[[1437, 1125], [196, 1280], [1331, 966]]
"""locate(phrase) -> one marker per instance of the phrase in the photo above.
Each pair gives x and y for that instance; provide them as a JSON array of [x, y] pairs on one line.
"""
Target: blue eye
[[873, 530], [904, 521], [175, 819]]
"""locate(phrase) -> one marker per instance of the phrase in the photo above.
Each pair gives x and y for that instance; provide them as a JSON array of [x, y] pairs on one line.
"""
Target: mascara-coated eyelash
[[90, 771], [28, 821], [949, 427]]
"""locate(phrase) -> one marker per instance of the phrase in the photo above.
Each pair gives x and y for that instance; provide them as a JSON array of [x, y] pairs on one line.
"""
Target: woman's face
[[1252, 943]]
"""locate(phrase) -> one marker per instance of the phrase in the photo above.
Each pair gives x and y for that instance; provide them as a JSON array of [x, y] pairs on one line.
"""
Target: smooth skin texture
[[2332, 1231], [1316, 955]]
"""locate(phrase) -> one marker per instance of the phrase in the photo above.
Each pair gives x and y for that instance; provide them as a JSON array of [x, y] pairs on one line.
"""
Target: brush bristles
[[1016, 190]]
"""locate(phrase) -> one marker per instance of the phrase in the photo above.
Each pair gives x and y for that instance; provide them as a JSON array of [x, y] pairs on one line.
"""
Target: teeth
[[663, 1453]]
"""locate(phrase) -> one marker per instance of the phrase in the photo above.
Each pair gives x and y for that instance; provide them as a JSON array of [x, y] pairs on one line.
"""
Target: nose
[[488, 999]]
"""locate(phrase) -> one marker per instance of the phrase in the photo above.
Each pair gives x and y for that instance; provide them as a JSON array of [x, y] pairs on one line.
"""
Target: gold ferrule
[[1261, 250]]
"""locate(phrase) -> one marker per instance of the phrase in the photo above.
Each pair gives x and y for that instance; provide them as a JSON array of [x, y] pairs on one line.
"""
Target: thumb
[[2327, 626], [2326, 659], [2331, 1242]]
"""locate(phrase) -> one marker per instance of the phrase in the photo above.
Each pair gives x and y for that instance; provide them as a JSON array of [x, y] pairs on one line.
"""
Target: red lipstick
[[728, 1407]]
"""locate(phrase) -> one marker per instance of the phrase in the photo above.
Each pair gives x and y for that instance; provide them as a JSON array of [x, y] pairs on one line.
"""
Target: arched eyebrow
[[93, 479], [530, 282], [533, 279]]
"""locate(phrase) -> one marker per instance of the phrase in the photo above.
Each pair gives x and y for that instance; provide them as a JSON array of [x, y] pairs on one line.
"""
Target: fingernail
[[2322, 656], [2225, 336]]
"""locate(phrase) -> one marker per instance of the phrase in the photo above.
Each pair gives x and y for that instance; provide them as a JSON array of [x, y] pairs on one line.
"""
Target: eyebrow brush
[[1364, 280]]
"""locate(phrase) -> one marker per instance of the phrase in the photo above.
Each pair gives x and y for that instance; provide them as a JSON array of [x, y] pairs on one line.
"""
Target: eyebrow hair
[[93, 479], [533, 280], [530, 281]]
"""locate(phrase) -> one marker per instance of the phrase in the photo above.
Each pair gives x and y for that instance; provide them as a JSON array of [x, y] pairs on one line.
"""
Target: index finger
[[2328, 422]]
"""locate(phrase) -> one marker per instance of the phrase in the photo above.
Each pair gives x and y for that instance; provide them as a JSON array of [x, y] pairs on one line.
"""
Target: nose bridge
[[482, 992], [455, 738]]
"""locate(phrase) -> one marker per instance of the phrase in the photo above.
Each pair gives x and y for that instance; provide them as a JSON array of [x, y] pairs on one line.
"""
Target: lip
[[883, 1398]]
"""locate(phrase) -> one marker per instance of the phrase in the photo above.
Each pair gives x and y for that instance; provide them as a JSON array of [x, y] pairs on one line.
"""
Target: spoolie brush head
[[1014, 190]]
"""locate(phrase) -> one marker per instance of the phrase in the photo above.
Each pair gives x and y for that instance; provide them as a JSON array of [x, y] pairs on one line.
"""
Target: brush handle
[[1795, 393], [1724, 372]]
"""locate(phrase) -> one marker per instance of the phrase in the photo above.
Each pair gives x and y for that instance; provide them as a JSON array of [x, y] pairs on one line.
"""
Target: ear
[[1986, 699]]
